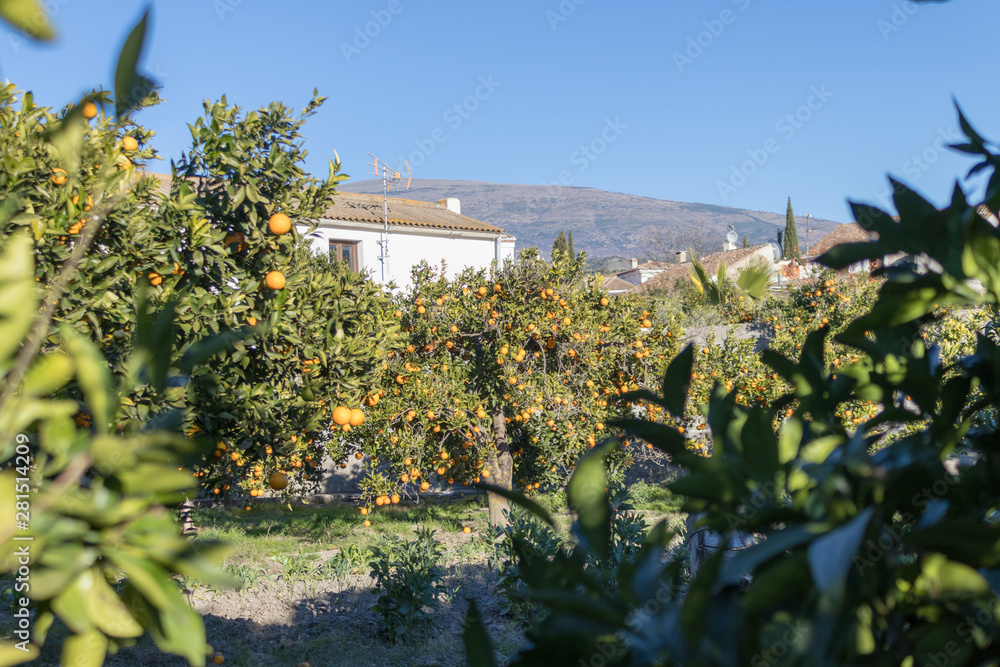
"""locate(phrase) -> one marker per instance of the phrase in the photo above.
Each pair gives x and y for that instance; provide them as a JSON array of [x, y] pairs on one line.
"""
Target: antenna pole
[[808, 216], [389, 176]]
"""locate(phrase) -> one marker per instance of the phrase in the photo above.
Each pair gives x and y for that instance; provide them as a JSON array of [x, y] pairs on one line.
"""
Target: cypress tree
[[569, 242], [791, 236], [746, 242], [560, 247]]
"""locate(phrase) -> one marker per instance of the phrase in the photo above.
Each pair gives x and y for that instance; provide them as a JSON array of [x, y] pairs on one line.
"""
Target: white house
[[354, 229], [638, 273]]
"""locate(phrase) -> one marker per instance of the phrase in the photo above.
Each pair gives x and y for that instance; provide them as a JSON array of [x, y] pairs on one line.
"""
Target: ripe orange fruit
[[395, 499], [466, 530], [341, 415], [89, 205], [89, 110], [378, 501], [275, 280], [155, 278], [359, 455], [277, 481], [252, 321], [130, 144], [219, 659], [367, 523], [236, 239], [58, 176], [424, 486], [604, 301], [279, 224], [357, 417]]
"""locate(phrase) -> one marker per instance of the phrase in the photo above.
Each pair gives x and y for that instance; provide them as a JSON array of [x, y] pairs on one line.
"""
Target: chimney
[[452, 204], [681, 257], [635, 263]]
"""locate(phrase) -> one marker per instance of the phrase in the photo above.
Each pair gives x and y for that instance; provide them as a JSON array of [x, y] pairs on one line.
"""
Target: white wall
[[407, 246]]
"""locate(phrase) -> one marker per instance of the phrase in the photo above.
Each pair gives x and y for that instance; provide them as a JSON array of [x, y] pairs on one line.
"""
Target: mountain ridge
[[603, 223]]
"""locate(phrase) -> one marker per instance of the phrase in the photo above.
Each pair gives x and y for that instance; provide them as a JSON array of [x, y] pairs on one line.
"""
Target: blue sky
[[732, 102]]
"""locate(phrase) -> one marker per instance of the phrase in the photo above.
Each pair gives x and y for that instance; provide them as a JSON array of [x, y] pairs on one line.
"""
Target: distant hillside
[[603, 223]]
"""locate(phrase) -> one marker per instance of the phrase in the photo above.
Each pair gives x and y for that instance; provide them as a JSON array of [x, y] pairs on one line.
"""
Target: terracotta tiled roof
[[851, 232], [409, 212], [711, 263], [368, 208]]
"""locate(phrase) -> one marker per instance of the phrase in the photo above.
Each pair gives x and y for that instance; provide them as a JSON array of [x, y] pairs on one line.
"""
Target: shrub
[[407, 577], [528, 536]]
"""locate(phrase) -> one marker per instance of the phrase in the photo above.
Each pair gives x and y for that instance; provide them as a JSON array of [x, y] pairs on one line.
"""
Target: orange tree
[[785, 320], [316, 326], [218, 245], [86, 537], [503, 377]]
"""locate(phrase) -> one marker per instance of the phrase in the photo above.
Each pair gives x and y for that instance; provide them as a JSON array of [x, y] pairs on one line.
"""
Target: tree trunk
[[503, 468], [187, 523]]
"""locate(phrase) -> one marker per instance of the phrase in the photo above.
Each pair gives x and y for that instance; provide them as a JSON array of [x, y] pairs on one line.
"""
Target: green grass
[[653, 498], [286, 556]]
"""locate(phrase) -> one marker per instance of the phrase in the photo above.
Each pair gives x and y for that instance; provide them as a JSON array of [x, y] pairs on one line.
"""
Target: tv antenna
[[389, 177]]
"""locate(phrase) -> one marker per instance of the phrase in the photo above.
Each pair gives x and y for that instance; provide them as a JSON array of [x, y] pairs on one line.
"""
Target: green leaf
[[107, 610], [588, 497], [94, 377], [131, 88], [733, 570], [676, 381], [518, 499], [85, 650], [18, 297], [154, 339], [67, 137], [208, 347], [71, 605], [760, 446], [28, 16], [832, 555], [11, 655], [48, 374], [478, 647]]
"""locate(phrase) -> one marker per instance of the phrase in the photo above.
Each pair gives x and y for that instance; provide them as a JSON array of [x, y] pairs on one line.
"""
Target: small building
[[638, 273], [614, 285], [354, 229]]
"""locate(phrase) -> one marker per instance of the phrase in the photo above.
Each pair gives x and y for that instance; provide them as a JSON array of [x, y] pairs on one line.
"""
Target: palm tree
[[752, 281]]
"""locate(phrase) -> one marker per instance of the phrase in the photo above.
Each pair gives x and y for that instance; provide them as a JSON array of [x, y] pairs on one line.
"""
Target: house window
[[345, 251]]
